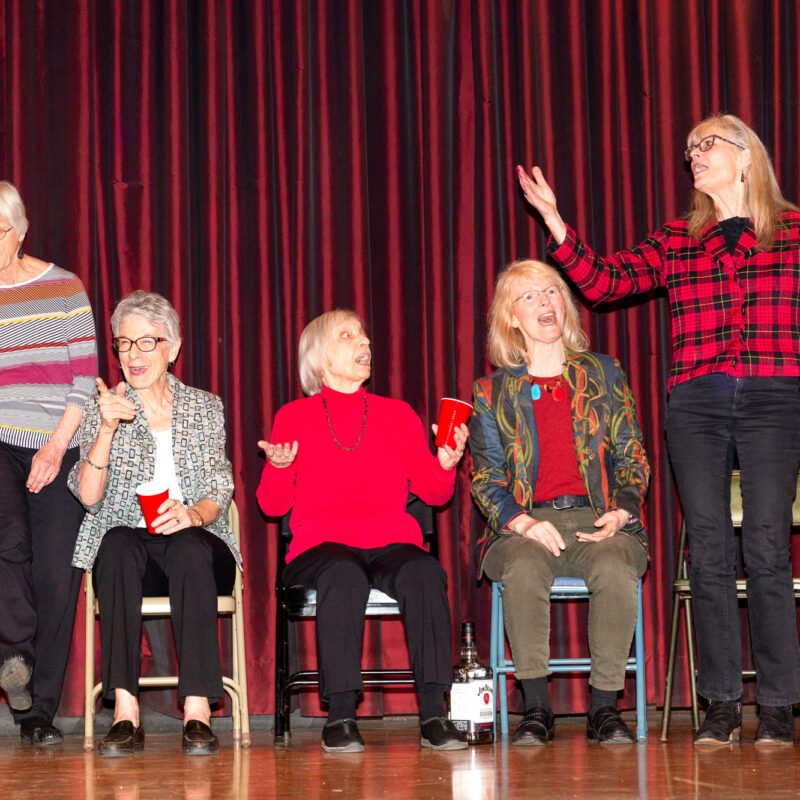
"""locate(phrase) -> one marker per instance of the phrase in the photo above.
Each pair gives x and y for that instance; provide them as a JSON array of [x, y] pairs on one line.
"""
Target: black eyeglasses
[[145, 344], [706, 143], [3, 232]]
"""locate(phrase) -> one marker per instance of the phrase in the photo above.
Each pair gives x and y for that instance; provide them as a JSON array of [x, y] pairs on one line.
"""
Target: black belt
[[565, 501]]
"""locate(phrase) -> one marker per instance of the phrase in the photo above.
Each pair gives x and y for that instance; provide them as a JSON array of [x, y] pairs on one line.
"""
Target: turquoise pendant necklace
[[555, 390]]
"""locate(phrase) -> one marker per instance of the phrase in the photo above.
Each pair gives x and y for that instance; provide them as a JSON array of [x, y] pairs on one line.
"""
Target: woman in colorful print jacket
[[560, 474]]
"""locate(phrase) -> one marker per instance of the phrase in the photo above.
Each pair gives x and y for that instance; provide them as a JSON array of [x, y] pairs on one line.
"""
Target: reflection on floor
[[394, 766]]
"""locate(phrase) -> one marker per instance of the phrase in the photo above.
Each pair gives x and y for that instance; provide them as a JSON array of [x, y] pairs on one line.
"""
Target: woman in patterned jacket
[[560, 474], [152, 427]]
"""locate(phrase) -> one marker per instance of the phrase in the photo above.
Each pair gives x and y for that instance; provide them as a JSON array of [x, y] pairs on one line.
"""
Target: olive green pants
[[611, 568]]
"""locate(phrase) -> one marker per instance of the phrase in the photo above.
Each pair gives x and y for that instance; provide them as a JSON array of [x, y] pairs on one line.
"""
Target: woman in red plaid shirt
[[732, 272]]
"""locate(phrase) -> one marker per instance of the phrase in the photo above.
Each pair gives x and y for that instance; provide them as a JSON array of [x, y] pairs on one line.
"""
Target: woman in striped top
[[48, 360]]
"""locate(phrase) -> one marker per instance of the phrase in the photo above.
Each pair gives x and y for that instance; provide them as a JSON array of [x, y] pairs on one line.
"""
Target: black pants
[[710, 419], [343, 577], [193, 566], [38, 585]]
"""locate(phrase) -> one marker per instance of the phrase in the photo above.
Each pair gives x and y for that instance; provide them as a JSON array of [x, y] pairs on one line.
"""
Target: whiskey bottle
[[472, 693]]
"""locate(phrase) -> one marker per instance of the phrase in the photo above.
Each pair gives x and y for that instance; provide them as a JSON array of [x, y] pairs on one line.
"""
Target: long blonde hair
[[762, 193], [506, 343]]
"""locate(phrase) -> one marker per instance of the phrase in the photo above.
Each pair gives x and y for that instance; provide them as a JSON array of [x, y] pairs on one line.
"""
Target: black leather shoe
[[775, 725], [39, 732], [536, 728], [439, 733], [722, 724], [199, 739], [342, 736], [15, 675], [122, 740], [606, 726]]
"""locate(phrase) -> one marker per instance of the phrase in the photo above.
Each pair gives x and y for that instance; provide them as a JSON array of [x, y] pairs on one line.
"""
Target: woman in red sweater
[[344, 462]]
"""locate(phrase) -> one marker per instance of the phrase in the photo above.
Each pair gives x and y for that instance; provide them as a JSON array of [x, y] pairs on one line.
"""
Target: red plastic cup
[[151, 496], [452, 413]]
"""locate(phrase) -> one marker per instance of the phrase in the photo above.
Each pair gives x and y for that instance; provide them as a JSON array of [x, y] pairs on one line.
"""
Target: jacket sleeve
[[428, 479], [216, 475], [625, 273], [629, 460], [275, 493], [490, 477]]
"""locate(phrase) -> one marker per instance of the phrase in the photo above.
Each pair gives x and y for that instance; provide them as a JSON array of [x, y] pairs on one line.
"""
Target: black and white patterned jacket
[[202, 468]]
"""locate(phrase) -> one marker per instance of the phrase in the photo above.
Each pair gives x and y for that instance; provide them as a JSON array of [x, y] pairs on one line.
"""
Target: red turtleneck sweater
[[354, 497]]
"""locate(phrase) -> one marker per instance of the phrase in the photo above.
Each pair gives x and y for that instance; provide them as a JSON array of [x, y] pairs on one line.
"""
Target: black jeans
[[710, 420], [193, 566], [343, 576], [38, 585]]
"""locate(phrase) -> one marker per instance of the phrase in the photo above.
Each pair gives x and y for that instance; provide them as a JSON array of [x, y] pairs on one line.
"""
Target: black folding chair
[[296, 603]]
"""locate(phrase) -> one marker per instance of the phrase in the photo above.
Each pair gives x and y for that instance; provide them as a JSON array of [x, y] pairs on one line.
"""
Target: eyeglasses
[[4, 232], [145, 344], [706, 143], [532, 295]]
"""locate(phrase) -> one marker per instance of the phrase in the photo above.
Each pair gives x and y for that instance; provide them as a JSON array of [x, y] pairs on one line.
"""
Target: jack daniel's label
[[472, 706]]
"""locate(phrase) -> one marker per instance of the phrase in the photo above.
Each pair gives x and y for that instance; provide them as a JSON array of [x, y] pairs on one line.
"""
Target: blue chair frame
[[563, 589]]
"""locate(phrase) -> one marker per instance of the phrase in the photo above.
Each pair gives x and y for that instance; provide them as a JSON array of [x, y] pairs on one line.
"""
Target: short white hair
[[313, 347], [152, 307], [12, 207]]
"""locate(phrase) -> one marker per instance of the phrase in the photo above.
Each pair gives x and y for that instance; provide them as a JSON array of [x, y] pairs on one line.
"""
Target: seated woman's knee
[[528, 559], [420, 571], [118, 542], [191, 545], [616, 567], [345, 572]]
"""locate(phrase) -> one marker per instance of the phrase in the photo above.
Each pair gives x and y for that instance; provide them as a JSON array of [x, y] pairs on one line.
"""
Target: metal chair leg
[[641, 677], [692, 665], [673, 646]]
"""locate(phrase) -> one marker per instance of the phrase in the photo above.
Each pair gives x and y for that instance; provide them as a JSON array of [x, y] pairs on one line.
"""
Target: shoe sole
[[200, 750], [47, 743], [765, 742], [531, 741], [115, 752], [14, 678], [624, 741], [448, 746], [353, 747], [710, 742]]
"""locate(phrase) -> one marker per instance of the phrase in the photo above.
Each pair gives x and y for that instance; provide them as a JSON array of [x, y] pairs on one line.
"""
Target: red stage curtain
[[259, 163]]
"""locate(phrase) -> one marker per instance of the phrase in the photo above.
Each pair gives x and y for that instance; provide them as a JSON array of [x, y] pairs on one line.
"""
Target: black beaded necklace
[[330, 427]]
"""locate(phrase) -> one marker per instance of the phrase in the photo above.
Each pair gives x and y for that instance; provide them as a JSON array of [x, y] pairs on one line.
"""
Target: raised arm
[[100, 422], [628, 272]]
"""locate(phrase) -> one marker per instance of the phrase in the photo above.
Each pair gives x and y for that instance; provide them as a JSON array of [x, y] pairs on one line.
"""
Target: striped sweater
[[48, 355]]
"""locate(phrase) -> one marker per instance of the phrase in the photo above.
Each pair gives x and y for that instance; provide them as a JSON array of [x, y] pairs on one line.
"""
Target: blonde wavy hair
[[506, 343], [313, 346], [762, 193]]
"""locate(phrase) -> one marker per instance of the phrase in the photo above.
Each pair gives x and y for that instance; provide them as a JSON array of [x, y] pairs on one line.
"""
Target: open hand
[[45, 465], [542, 531], [608, 524], [279, 455], [539, 194]]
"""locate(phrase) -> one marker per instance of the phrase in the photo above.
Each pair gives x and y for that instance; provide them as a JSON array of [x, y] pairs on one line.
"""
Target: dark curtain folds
[[259, 163]]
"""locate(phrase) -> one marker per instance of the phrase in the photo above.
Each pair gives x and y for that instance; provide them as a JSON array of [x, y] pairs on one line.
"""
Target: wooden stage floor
[[394, 766]]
